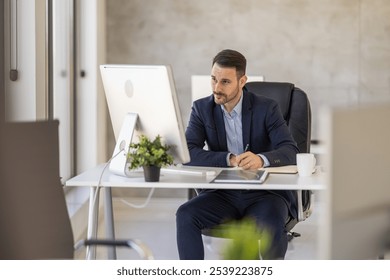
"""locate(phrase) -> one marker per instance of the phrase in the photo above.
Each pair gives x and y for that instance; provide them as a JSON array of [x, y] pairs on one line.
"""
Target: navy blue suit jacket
[[263, 128]]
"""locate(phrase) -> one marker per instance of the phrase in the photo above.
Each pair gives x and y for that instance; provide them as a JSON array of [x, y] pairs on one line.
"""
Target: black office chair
[[295, 107], [33, 214]]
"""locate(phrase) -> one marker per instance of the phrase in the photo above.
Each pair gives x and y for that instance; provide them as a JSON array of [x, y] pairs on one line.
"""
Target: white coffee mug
[[305, 164]]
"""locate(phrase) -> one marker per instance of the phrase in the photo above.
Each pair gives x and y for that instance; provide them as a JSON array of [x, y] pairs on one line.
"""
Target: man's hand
[[233, 160], [248, 160]]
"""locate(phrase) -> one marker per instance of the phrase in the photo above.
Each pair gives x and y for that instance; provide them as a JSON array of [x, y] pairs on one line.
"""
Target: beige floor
[[155, 226]]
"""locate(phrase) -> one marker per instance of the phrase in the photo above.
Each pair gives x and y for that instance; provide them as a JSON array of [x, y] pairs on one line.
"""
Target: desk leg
[[109, 221], [93, 215], [300, 206]]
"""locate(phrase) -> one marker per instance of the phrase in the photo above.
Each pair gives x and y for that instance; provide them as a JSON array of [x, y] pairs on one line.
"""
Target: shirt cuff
[[228, 158], [265, 160]]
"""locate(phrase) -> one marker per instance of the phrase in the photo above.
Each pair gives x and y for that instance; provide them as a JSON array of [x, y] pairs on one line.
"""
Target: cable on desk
[[143, 205], [100, 181], [98, 187]]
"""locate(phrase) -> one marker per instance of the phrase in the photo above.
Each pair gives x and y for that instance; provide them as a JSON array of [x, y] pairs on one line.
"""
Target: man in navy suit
[[240, 129]]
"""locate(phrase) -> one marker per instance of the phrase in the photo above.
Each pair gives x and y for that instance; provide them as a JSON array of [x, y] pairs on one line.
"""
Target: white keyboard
[[188, 170]]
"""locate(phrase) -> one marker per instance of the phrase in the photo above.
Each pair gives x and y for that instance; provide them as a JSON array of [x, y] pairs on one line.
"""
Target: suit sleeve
[[199, 132]]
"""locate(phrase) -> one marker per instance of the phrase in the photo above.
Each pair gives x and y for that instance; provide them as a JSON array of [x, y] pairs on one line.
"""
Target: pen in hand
[[238, 156]]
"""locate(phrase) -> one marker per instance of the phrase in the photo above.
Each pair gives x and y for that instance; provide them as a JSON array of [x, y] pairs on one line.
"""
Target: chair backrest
[[295, 107], [33, 214]]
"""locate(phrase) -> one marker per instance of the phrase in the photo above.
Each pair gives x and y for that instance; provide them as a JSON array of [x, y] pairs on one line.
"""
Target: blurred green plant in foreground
[[247, 240]]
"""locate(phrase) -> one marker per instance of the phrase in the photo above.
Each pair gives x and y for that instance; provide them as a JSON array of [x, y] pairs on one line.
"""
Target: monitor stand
[[118, 164], [119, 157]]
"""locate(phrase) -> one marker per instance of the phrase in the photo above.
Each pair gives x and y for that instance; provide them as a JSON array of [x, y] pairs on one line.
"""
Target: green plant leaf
[[246, 240], [149, 153]]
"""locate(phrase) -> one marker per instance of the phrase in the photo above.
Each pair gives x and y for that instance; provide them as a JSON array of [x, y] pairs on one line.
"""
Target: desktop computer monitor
[[356, 221], [142, 99]]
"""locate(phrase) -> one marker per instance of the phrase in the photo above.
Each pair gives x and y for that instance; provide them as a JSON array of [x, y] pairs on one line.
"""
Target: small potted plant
[[150, 155]]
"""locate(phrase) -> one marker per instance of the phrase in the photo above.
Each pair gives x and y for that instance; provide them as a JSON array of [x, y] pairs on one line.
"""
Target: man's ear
[[242, 81]]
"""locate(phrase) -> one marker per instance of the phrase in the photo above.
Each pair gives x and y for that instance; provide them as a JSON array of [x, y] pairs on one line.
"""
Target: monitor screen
[[149, 92]]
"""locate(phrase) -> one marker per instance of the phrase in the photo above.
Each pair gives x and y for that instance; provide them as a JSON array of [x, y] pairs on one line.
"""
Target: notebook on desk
[[241, 176], [287, 169]]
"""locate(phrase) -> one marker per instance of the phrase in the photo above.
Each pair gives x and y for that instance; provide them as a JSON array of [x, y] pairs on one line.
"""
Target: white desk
[[91, 178]]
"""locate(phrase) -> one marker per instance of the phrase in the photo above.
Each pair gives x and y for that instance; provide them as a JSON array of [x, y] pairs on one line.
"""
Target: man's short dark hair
[[231, 58]]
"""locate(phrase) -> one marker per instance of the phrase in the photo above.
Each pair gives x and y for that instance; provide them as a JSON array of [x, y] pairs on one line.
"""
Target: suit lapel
[[220, 127], [246, 118]]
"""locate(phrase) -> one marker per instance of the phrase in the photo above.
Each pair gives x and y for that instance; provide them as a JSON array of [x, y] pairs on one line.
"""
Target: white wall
[[338, 51]]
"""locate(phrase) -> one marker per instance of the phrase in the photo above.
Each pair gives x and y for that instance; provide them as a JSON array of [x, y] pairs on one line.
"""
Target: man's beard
[[223, 98]]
